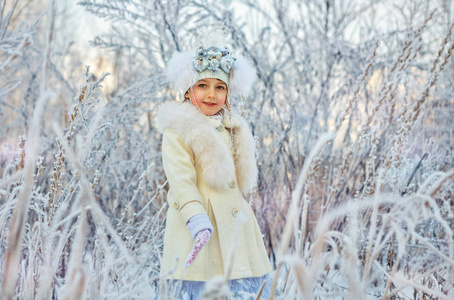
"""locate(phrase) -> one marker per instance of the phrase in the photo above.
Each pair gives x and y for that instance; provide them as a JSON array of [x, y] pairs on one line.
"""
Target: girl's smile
[[208, 95]]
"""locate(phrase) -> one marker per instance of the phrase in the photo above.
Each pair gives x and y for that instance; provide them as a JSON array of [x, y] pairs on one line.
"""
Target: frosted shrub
[[70, 244]]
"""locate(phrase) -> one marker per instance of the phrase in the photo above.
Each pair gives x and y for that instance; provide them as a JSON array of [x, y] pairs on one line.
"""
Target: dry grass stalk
[[40, 168], [54, 211], [293, 209], [95, 180], [415, 278], [54, 224], [75, 280], [97, 212], [356, 93], [302, 279], [409, 117], [438, 185], [423, 288], [14, 249], [80, 100], [368, 183], [259, 294], [337, 183], [56, 179], [385, 232], [14, 172], [387, 89], [128, 212], [304, 213], [20, 161], [20, 214], [392, 266]]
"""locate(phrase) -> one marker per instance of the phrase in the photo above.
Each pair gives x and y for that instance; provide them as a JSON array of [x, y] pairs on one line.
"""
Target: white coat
[[206, 176]]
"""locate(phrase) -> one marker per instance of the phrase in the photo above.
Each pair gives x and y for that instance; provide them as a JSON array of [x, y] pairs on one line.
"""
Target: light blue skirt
[[244, 288]]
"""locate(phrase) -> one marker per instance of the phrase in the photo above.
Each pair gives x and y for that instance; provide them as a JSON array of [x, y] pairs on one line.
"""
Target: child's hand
[[201, 239]]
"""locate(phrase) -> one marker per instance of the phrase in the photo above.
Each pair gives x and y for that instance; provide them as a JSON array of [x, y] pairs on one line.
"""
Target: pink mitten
[[201, 239]]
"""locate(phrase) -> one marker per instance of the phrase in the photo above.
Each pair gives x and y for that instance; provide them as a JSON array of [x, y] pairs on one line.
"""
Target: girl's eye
[[202, 85], [221, 87]]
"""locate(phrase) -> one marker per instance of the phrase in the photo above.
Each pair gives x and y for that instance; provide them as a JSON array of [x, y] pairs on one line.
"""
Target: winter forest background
[[352, 112]]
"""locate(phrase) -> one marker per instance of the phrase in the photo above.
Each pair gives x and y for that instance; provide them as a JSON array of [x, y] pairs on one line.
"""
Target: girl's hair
[[227, 102]]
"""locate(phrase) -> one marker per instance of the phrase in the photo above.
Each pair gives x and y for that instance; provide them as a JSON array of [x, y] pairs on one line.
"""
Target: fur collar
[[200, 135]]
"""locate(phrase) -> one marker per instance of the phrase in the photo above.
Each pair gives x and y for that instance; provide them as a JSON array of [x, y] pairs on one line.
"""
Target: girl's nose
[[211, 93]]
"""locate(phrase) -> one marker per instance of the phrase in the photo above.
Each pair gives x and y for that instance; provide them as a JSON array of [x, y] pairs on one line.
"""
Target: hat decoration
[[184, 69], [213, 58]]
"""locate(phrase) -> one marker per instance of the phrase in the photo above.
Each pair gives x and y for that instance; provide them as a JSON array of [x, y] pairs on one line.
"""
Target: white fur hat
[[211, 60]]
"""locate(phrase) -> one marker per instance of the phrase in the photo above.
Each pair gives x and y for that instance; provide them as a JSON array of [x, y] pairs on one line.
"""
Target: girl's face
[[210, 95]]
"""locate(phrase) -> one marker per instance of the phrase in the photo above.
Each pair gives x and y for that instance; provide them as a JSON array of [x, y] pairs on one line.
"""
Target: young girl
[[208, 154]]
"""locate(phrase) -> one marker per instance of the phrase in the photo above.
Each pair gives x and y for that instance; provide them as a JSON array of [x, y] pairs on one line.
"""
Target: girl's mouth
[[209, 104]]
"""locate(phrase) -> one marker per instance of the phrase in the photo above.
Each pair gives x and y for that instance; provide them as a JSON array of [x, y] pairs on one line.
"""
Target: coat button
[[235, 212], [232, 184], [220, 128], [176, 205]]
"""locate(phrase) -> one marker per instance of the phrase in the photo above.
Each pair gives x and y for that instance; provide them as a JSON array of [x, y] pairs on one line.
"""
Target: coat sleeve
[[178, 161]]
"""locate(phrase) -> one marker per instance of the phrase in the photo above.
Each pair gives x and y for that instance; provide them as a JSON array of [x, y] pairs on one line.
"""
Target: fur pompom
[[180, 71], [244, 76]]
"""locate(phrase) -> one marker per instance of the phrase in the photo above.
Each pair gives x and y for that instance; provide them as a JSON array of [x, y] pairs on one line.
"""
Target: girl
[[208, 155]]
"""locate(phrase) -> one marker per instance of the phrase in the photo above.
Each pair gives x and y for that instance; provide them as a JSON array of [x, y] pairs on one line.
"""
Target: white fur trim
[[245, 160], [244, 76], [199, 135], [180, 72]]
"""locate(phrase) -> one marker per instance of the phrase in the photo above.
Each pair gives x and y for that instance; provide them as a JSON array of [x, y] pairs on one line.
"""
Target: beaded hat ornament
[[211, 60]]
